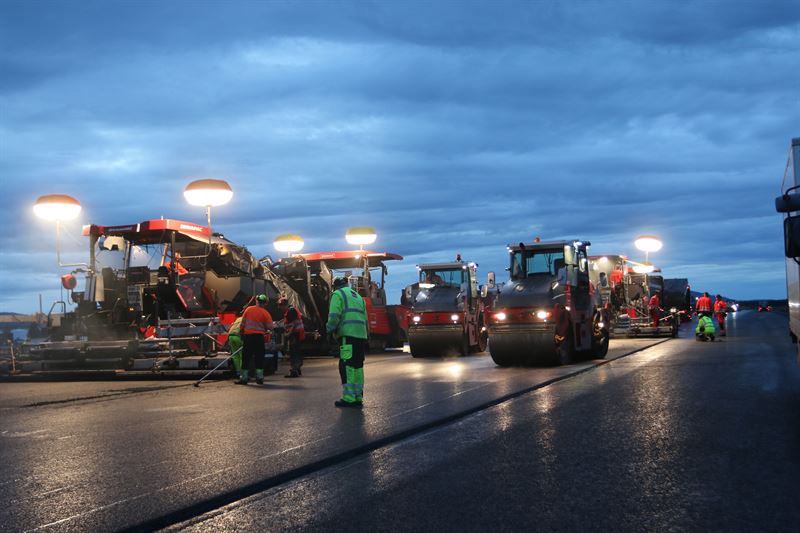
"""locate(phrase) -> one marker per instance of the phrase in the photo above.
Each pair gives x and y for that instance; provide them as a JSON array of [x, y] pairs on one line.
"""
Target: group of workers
[[706, 309], [347, 326]]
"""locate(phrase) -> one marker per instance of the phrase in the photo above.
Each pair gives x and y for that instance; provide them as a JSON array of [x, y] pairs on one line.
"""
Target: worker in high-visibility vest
[[704, 305], [705, 329], [347, 322], [294, 333], [721, 310], [256, 330], [235, 344]]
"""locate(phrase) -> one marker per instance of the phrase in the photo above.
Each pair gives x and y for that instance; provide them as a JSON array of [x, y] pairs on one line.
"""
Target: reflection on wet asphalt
[[640, 425]]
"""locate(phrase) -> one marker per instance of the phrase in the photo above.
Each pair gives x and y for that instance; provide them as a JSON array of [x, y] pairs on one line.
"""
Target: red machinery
[[311, 277], [157, 294]]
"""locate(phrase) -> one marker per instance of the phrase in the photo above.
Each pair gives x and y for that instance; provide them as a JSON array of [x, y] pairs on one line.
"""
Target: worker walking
[[294, 333], [705, 328], [347, 321], [704, 305], [721, 310], [256, 330], [235, 344]]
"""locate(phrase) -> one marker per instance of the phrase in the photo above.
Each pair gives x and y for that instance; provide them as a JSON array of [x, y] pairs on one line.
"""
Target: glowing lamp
[[643, 268], [208, 193], [361, 236], [57, 207], [288, 243], [648, 243]]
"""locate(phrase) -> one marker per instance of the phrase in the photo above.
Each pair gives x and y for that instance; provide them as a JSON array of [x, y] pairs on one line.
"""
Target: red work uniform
[[256, 330], [704, 305], [720, 308], [655, 309], [295, 333], [179, 267]]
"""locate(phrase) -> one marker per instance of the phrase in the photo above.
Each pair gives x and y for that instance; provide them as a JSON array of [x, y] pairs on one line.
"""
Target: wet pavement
[[680, 435]]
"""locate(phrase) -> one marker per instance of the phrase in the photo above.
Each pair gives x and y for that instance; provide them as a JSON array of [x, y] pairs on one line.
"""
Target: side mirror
[[787, 203], [791, 236], [490, 280], [484, 291]]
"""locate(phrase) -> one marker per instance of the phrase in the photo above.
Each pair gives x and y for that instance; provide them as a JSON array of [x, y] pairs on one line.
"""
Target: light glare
[[57, 207]]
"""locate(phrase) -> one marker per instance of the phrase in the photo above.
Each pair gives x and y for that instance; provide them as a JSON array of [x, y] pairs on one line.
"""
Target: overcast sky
[[448, 126]]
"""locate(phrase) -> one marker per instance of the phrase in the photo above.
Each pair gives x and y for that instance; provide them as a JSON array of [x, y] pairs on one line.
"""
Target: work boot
[[260, 376], [243, 378], [342, 403], [292, 374]]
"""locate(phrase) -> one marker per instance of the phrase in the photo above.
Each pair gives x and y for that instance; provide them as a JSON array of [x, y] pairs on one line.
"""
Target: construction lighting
[[455, 318], [542, 315], [208, 193], [601, 325], [288, 243], [361, 236], [57, 207], [417, 318], [500, 316], [643, 268], [648, 243]]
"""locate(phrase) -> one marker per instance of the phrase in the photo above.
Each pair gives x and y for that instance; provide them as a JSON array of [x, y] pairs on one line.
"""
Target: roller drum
[[522, 344]]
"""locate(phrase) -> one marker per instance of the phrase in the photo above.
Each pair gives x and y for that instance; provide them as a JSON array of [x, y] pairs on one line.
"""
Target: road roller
[[548, 311], [447, 311]]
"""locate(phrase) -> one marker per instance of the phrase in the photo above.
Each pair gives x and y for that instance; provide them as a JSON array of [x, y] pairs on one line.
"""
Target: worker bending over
[[705, 329], [347, 322]]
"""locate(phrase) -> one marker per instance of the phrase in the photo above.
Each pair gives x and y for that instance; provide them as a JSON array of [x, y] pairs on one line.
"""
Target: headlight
[[416, 318], [542, 315], [500, 316], [455, 318], [601, 325], [673, 310]]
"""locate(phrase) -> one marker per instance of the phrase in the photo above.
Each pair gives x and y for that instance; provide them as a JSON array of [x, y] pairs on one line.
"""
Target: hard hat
[[338, 283], [262, 298]]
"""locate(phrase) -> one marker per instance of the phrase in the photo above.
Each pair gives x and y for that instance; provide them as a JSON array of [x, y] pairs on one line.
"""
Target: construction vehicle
[[548, 311], [678, 297], [788, 203], [447, 311], [142, 308], [625, 295], [311, 275]]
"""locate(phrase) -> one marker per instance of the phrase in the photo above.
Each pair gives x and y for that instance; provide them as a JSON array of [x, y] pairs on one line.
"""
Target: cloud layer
[[450, 127]]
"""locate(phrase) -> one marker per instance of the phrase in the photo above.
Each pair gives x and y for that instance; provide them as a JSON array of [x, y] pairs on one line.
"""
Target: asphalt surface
[[624, 445], [684, 436]]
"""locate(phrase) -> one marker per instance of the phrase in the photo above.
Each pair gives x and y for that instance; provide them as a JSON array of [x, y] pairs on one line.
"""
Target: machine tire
[[600, 349], [463, 348], [565, 354], [483, 338], [415, 350]]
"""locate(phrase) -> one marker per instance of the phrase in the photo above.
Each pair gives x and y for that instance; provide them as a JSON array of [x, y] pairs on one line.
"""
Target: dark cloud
[[450, 126]]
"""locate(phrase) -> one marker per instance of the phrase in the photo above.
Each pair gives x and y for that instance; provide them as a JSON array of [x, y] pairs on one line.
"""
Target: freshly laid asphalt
[[684, 436], [680, 435]]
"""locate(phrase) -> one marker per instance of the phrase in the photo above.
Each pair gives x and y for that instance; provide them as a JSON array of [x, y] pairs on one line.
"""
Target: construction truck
[[548, 310], [447, 311], [157, 295], [788, 203], [625, 295], [311, 275]]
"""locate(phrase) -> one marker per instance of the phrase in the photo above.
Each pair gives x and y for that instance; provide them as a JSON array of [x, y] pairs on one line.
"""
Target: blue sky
[[449, 126]]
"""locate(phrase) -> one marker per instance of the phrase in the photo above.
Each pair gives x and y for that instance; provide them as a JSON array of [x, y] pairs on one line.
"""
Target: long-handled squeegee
[[199, 381]]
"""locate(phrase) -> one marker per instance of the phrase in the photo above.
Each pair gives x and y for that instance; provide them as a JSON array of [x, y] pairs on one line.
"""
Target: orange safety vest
[[720, 306], [704, 304], [256, 320], [296, 326]]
